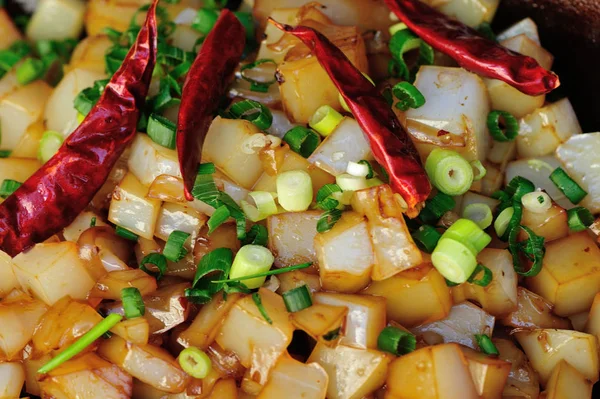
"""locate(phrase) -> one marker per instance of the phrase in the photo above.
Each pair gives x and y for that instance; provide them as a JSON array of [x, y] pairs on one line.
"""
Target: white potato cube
[[504, 97], [80, 224], [524, 45], [12, 378], [541, 132], [60, 115], [56, 20], [581, 161], [18, 169], [525, 26], [291, 237], [51, 271], [181, 218], [567, 383], [131, 209], [346, 143], [8, 281], [292, 379], [456, 102], [148, 160], [8, 31], [89, 54], [470, 12]]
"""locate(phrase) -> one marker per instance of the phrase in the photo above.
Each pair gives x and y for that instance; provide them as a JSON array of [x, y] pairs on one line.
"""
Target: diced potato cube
[[29, 144], [81, 223], [365, 320], [524, 45], [489, 374], [292, 236], [19, 315], [293, 161], [296, 278], [59, 113], [463, 322], [223, 146], [504, 97], [321, 322], [522, 380], [86, 377], [8, 281], [148, 363], [471, 13], [499, 297], [592, 325], [303, 83], [545, 348], [8, 31], [458, 103], [582, 166], [19, 169], [52, 271], [567, 383], [570, 275], [19, 109], [292, 379], [433, 372], [525, 26], [178, 217], [148, 160], [111, 285], [578, 321], [345, 255], [56, 20], [273, 34], [12, 378], [542, 131], [415, 296], [31, 366], [257, 344], [131, 209], [136, 331], [551, 224], [353, 373], [346, 143], [394, 247], [533, 311], [89, 54]]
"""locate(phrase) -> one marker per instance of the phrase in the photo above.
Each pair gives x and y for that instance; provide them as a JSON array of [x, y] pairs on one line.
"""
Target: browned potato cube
[[292, 379], [489, 373], [292, 236], [533, 311], [12, 377], [522, 380], [567, 383], [415, 296], [570, 276], [8, 31], [551, 224], [110, 286], [136, 331], [321, 322], [592, 325]]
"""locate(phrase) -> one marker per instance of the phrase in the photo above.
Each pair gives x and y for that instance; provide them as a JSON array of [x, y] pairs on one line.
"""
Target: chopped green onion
[[325, 120], [133, 303], [397, 27], [174, 248], [426, 237], [485, 29], [114, 58], [518, 187], [8, 187], [297, 299], [261, 308], [256, 85], [21, 48], [252, 111], [93, 221], [302, 140], [479, 168], [371, 174], [217, 4], [205, 20], [123, 232], [8, 59], [294, 190], [468, 233], [247, 20], [219, 217], [454, 260], [164, 99], [495, 122], [536, 202], [86, 340], [214, 265], [328, 219], [251, 260], [195, 362], [408, 96], [502, 221], [359, 169], [49, 145], [481, 214], [532, 248], [436, 207], [257, 235], [31, 69], [449, 172], [324, 197], [158, 260], [5, 153], [265, 274], [331, 335], [264, 207], [348, 182], [567, 186], [207, 168], [579, 218], [85, 100], [486, 345], [402, 41], [396, 341], [162, 131], [485, 280], [181, 70]]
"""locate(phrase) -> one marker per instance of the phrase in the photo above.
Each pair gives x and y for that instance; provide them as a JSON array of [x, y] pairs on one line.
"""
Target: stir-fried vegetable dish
[[344, 199]]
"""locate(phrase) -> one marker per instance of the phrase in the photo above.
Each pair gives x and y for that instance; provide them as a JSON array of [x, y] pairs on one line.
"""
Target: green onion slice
[[214, 265], [396, 341], [174, 248], [579, 218], [325, 120], [328, 219], [518, 187], [567, 186], [49, 145], [297, 299], [486, 345], [31, 69], [408, 96], [426, 237], [162, 131], [454, 260], [468, 233], [8, 59], [324, 197], [5, 153], [86, 340], [257, 235], [331, 335], [156, 259], [532, 249], [251, 260], [436, 207], [449, 172], [502, 221], [485, 280], [503, 126], [93, 221], [128, 235], [264, 205], [205, 20], [261, 308], [219, 217], [8, 187], [195, 362], [302, 140], [485, 29], [536, 202], [371, 174], [252, 111], [256, 85], [267, 273], [481, 214], [133, 303], [479, 171]]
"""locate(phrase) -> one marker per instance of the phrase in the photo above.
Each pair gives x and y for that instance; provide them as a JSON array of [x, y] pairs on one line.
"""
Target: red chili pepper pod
[[205, 85], [390, 144], [472, 51], [52, 197]]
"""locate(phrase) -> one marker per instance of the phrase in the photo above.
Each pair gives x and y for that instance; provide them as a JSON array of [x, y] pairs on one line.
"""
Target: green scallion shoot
[[133, 303], [302, 140], [123, 232], [325, 120], [252, 111], [297, 299], [257, 235], [328, 219], [408, 96], [267, 273], [486, 345], [449, 172], [502, 126], [396, 341], [156, 259], [195, 362], [567, 186], [8, 187], [174, 247], [485, 279], [251, 260], [261, 308], [579, 218]]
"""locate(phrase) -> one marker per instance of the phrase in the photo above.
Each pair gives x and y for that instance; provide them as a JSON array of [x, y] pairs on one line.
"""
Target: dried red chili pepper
[[51, 199], [204, 86], [390, 144], [472, 51]]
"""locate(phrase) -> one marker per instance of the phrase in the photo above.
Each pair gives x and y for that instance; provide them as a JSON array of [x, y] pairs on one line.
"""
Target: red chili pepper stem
[[205, 85], [390, 143], [60, 190], [472, 51]]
